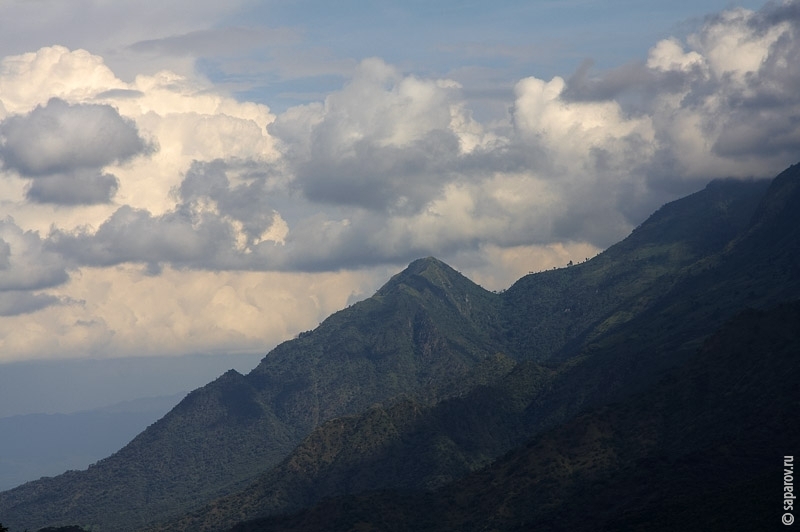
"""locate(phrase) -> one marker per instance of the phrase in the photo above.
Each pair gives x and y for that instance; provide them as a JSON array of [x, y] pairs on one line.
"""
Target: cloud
[[78, 188], [18, 303], [107, 28], [722, 103], [59, 138], [25, 264], [217, 42], [245, 204], [134, 235], [63, 148], [222, 221], [385, 141], [122, 311], [30, 79]]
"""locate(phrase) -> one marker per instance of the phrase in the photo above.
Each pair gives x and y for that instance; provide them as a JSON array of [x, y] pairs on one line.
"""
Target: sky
[[215, 177]]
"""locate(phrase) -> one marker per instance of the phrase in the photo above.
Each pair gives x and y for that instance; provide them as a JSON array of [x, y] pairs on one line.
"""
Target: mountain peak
[[430, 273], [431, 268], [420, 265]]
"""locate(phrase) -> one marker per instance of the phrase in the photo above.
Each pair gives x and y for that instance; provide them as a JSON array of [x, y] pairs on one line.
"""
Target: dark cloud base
[[73, 189]]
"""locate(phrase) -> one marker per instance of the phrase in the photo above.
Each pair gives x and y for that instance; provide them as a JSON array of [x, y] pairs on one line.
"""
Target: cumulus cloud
[[222, 220], [25, 264], [63, 148], [31, 79], [386, 141], [723, 103], [60, 138]]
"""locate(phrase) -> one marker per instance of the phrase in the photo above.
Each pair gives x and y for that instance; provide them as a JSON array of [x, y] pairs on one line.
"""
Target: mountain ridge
[[556, 398], [557, 394], [431, 349], [406, 341], [661, 460]]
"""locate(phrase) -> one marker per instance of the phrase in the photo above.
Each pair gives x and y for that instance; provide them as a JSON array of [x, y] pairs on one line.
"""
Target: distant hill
[[433, 378], [38, 445]]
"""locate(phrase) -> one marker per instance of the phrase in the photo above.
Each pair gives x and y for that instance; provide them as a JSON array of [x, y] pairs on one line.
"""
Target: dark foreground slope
[[421, 335], [627, 323], [701, 450]]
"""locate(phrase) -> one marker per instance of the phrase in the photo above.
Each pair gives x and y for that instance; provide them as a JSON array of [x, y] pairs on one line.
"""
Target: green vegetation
[[698, 451]]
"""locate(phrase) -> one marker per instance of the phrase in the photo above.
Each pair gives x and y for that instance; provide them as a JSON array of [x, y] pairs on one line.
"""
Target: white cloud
[[122, 311], [669, 55], [733, 116], [33, 78], [182, 119], [575, 134], [733, 47]]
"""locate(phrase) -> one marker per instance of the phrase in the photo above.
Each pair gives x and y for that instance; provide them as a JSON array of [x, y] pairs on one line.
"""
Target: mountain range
[[649, 388]]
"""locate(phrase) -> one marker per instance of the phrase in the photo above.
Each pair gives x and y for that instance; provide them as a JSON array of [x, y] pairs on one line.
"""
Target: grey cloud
[[5, 255], [382, 143], [204, 231], [25, 264], [134, 235], [216, 42], [382, 178], [78, 188], [582, 87], [763, 134], [199, 233], [764, 120], [776, 13], [248, 202], [120, 94], [60, 138], [633, 84], [316, 243], [17, 303]]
